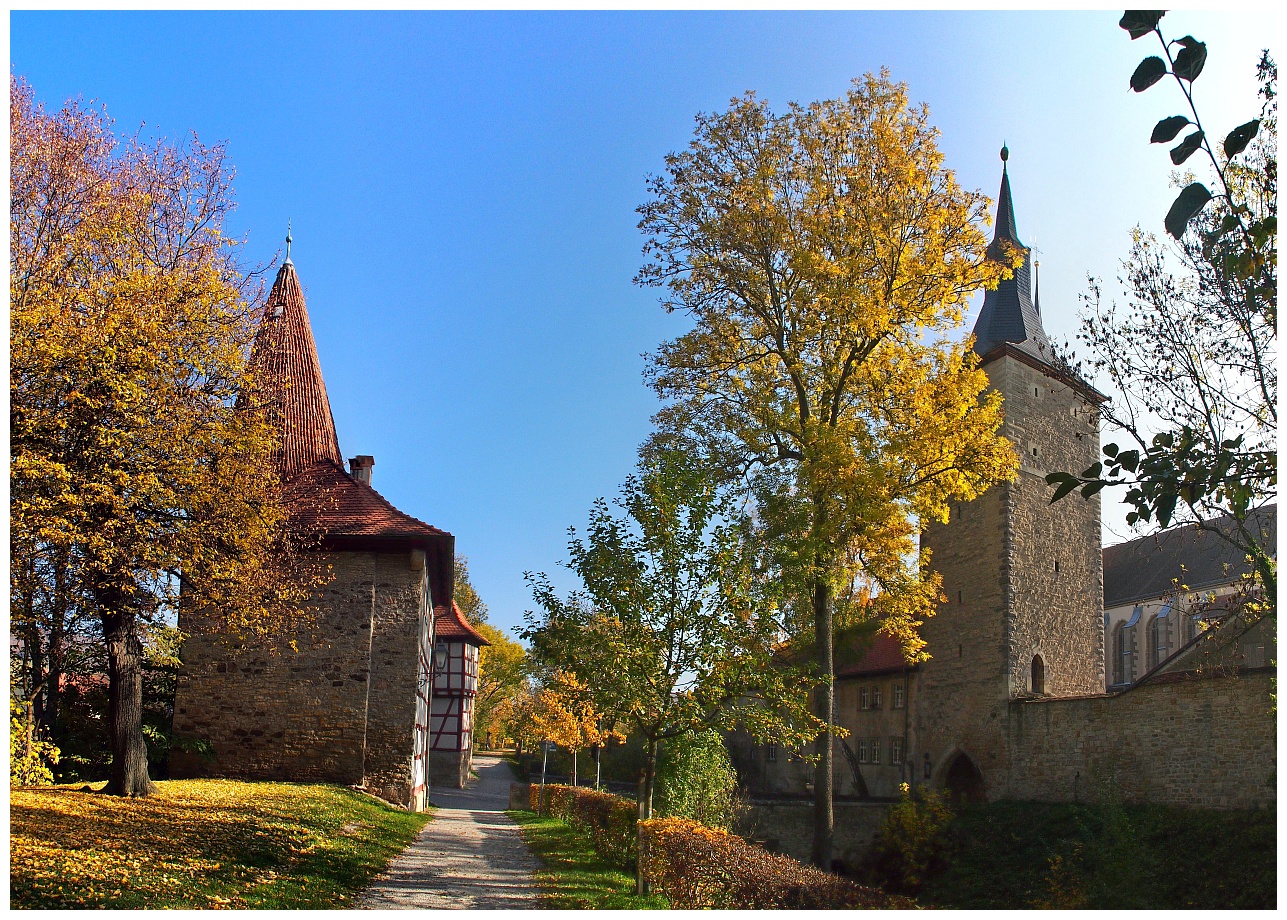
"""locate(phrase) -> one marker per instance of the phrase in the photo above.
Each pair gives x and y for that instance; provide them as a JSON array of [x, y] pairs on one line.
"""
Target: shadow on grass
[[575, 877]]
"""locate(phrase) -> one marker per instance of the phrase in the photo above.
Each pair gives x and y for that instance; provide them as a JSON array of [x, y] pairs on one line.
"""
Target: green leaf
[[1129, 459], [1092, 488], [1166, 129], [1110, 450], [1140, 22], [1184, 149], [1187, 204], [1240, 137], [1092, 472], [1165, 508], [1068, 485], [1191, 59], [1151, 69], [1163, 439]]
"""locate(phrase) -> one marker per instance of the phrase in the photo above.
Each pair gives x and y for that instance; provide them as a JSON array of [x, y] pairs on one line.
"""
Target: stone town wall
[[450, 769], [1203, 743], [401, 595], [303, 715], [786, 826]]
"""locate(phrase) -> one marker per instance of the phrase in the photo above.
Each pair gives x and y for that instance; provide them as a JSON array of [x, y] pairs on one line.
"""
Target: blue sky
[[462, 188]]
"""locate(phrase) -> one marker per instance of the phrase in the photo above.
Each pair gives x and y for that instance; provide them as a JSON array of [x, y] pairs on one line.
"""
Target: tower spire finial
[[1005, 155], [288, 242]]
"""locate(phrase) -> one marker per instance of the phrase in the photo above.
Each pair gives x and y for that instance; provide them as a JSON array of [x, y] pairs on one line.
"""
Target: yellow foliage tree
[[825, 256], [131, 464], [501, 676]]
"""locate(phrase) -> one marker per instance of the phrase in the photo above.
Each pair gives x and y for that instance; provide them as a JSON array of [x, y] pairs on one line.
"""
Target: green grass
[[1122, 857], [201, 844], [574, 877]]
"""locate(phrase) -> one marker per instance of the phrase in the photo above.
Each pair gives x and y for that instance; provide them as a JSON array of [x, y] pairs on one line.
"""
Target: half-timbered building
[[456, 652]]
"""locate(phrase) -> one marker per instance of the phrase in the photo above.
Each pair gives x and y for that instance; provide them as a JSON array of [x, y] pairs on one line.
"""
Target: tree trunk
[[125, 701], [824, 820], [598, 758], [645, 811]]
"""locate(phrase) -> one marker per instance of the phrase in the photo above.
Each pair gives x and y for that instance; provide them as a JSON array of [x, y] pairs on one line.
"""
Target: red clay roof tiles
[[451, 624], [288, 379], [885, 655], [326, 500], [323, 498]]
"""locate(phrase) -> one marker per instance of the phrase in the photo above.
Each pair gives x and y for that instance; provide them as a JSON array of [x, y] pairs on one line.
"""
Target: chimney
[[360, 468]]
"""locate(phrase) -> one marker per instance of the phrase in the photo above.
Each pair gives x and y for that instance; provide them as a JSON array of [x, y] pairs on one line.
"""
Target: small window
[[876, 701], [875, 750], [896, 751], [927, 767], [1036, 391], [771, 752], [958, 598], [898, 696], [1034, 450], [1038, 675], [864, 698], [1056, 566], [862, 751]]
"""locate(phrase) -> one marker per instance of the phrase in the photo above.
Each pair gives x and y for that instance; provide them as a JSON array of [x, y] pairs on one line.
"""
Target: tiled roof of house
[[450, 623], [288, 379], [1010, 313], [884, 655], [324, 500], [1145, 568]]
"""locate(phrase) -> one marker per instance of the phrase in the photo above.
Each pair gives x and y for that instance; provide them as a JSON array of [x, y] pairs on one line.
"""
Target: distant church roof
[[1144, 568], [323, 498], [1010, 313]]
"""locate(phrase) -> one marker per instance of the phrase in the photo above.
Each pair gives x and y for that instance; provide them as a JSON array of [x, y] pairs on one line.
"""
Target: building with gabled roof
[[351, 703]]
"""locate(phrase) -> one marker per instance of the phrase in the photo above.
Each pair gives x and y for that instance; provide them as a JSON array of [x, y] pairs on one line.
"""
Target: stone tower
[[350, 704], [1022, 576]]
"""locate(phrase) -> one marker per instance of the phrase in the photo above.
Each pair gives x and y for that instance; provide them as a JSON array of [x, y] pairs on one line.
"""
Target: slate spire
[[288, 379], [1010, 313]]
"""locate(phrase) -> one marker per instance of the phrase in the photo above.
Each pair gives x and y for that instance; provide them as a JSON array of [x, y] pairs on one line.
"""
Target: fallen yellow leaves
[[200, 844]]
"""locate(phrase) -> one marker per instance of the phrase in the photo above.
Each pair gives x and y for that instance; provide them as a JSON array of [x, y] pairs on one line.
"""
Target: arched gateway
[[963, 781]]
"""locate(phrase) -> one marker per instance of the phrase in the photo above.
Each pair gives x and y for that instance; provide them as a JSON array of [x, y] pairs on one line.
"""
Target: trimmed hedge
[[697, 867], [608, 819]]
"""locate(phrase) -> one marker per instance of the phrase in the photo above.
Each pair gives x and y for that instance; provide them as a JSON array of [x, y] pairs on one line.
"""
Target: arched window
[[1129, 645], [1038, 675], [1153, 626], [1120, 661]]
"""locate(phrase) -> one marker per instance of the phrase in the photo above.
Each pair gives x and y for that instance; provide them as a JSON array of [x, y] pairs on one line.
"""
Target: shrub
[[698, 781], [609, 820], [28, 765], [697, 867], [913, 841]]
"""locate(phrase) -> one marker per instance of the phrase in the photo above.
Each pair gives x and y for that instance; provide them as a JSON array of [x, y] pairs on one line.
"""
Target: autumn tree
[[466, 596], [1189, 352], [502, 675], [825, 256], [134, 477], [664, 636]]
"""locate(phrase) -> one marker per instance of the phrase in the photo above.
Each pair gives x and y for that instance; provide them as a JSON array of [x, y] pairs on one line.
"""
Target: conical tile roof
[[1010, 314], [323, 499], [288, 379]]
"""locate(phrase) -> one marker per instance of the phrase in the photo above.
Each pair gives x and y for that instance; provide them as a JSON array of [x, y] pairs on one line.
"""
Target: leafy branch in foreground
[[1192, 353]]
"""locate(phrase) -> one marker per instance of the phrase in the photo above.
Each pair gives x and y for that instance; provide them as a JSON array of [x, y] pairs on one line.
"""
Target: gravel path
[[469, 856]]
